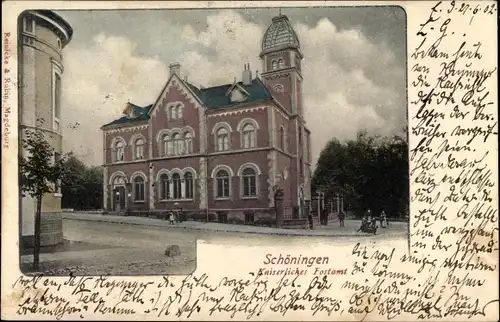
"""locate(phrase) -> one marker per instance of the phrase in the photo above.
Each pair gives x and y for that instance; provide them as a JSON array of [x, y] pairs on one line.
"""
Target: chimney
[[247, 75], [175, 68]]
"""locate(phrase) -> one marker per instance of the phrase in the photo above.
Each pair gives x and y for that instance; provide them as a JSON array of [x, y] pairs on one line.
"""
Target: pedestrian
[[341, 218], [383, 219], [364, 221], [171, 218]]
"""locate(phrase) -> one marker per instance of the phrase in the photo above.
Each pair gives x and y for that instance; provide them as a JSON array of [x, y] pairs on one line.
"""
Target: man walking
[[341, 218]]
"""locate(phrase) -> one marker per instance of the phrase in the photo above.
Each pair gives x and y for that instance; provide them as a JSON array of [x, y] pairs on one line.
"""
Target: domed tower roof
[[279, 35]]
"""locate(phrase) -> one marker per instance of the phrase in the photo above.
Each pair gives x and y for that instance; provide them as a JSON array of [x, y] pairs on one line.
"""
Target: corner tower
[[281, 64], [43, 35]]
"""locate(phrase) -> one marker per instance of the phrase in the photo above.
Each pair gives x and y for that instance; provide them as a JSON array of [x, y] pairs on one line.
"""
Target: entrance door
[[119, 199]]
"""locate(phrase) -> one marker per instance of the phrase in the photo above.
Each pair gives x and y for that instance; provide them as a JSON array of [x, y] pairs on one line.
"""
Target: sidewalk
[[333, 229]]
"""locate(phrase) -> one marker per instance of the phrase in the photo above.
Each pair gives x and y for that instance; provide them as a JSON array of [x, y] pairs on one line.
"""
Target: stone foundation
[[51, 231]]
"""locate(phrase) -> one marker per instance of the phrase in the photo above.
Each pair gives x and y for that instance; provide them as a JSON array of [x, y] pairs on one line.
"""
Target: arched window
[[139, 188], [189, 142], [181, 146], [118, 181], [188, 186], [164, 187], [274, 64], [176, 182], [166, 145], [282, 138], [179, 111], [249, 182], [222, 178], [139, 149], [175, 139], [222, 140], [281, 63], [119, 151], [173, 112], [248, 134]]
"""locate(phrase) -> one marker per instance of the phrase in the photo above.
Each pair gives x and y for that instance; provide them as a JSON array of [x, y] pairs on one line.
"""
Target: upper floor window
[[29, 24], [56, 98], [222, 182], [173, 112], [119, 151], [139, 149], [301, 165], [166, 145], [249, 134], [139, 188], [249, 182], [274, 64], [176, 111], [178, 144], [180, 111], [281, 63], [300, 135], [188, 137], [282, 138], [222, 139]]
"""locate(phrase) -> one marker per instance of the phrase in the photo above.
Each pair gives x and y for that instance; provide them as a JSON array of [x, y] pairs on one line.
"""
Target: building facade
[[222, 150], [42, 38]]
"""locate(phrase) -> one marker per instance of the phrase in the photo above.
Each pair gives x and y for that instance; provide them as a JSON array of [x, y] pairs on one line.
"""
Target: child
[[171, 218]]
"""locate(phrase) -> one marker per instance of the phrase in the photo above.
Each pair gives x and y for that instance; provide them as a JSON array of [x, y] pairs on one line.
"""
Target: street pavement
[[113, 245], [395, 229]]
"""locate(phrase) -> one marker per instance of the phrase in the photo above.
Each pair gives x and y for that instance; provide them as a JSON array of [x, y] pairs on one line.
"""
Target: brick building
[[222, 150]]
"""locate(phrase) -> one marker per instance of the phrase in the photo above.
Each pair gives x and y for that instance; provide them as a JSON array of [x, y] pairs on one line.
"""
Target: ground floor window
[[139, 189], [222, 184]]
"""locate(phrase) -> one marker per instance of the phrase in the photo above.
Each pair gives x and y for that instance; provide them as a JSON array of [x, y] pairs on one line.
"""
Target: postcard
[[250, 160]]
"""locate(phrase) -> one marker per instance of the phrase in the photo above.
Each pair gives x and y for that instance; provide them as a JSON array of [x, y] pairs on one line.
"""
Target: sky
[[354, 67]]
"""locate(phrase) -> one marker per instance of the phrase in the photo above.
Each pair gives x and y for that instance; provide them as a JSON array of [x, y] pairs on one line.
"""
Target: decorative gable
[[237, 93], [238, 96], [129, 111], [179, 85]]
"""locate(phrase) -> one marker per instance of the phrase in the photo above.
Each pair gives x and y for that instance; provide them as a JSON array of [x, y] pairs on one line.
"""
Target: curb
[[233, 231]]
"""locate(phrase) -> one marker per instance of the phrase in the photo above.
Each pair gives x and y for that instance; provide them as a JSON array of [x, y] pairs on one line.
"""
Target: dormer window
[[238, 96]]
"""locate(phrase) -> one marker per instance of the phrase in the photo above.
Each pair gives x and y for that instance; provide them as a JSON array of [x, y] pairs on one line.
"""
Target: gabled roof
[[216, 97], [140, 114], [212, 98]]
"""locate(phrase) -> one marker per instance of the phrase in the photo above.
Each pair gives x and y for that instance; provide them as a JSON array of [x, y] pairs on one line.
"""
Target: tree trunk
[[38, 221]]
